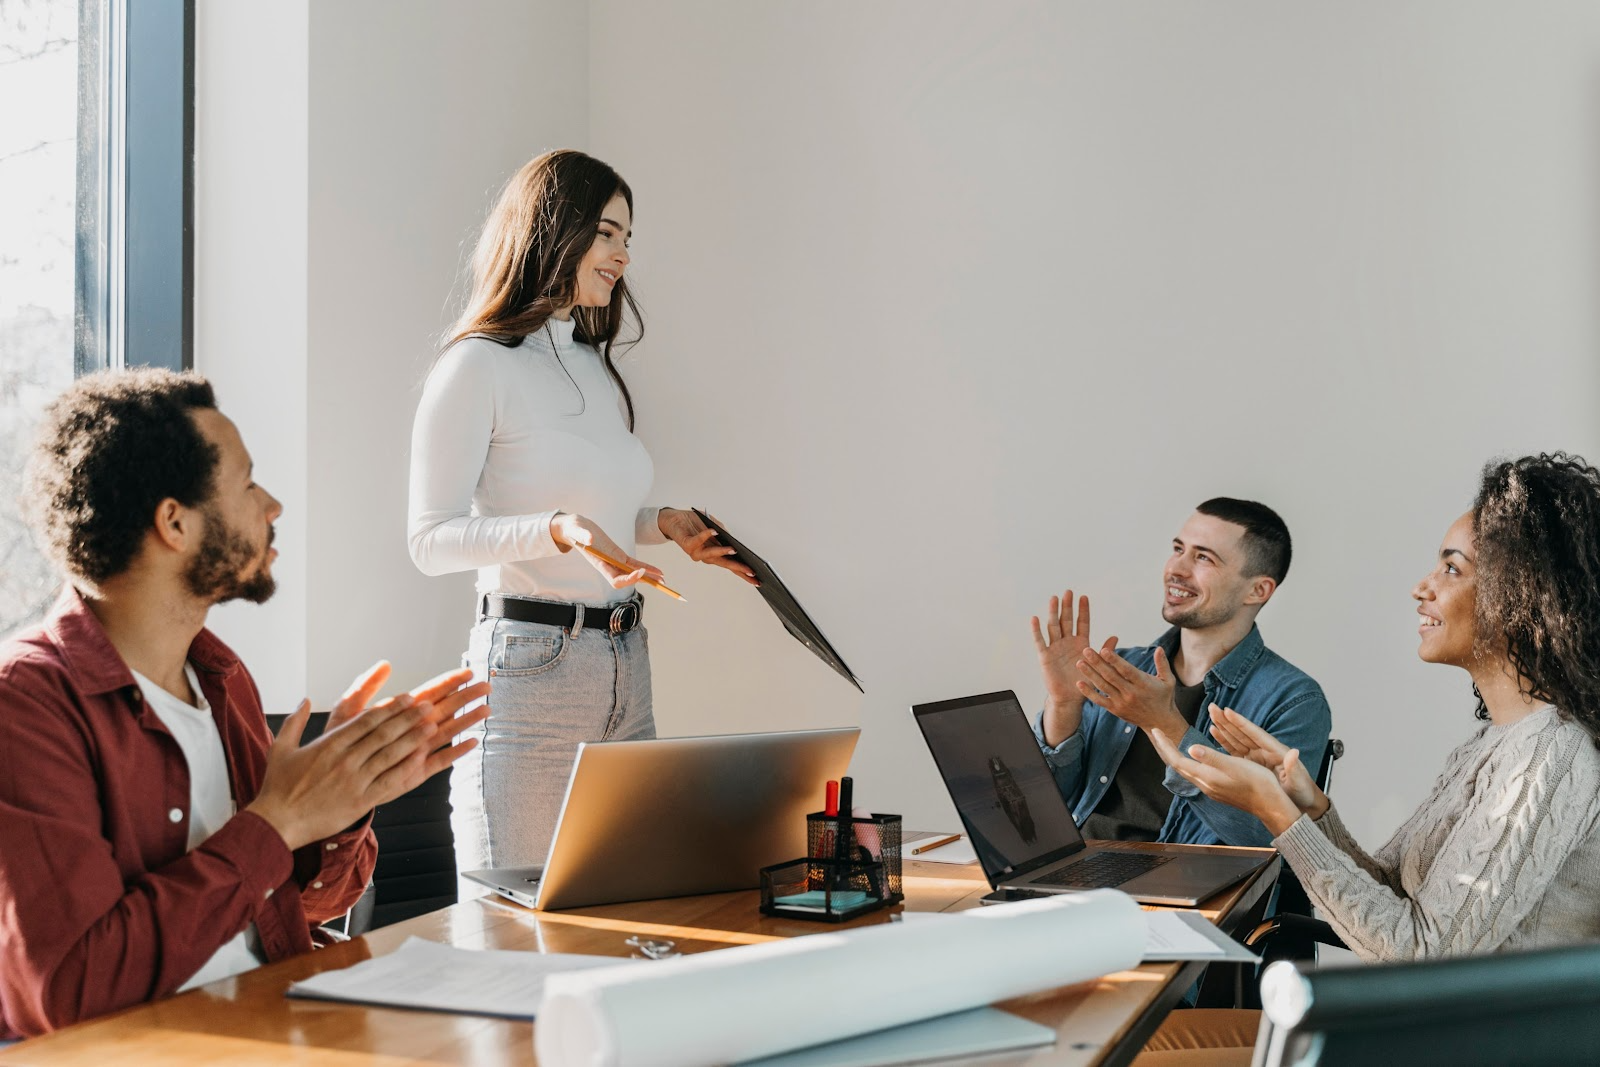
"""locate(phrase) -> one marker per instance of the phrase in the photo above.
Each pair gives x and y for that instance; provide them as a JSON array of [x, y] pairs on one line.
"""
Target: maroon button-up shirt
[[102, 905]]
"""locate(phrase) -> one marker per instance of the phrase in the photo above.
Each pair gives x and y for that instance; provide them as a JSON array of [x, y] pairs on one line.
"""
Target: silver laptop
[[1021, 827], [678, 816]]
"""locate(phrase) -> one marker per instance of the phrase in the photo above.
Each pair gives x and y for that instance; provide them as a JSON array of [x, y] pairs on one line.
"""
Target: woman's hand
[[1243, 738], [1233, 780], [575, 531], [700, 541]]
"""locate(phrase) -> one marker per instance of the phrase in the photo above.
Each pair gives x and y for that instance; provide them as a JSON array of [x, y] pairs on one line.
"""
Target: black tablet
[[782, 602]]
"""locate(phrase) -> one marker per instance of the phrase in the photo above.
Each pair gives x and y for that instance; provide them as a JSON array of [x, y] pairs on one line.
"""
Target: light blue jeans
[[549, 689]]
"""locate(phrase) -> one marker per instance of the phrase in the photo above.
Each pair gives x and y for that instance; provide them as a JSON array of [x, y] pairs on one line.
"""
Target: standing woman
[[522, 456]]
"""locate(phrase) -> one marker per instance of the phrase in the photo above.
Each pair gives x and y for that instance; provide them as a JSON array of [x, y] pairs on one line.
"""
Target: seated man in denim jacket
[[1226, 563]]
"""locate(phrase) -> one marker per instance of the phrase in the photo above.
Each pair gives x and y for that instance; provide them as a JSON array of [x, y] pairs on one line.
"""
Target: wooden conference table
[[247, 1020]]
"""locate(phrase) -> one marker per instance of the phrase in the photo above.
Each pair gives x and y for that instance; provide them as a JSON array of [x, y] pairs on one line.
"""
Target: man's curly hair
[[109, 449], [1536, 522]]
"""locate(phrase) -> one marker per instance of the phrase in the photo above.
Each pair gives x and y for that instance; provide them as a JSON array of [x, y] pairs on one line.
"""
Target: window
[[96, 143], [38, 162]]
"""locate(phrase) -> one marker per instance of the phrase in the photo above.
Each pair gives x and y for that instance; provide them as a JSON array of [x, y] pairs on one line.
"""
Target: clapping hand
[[447, 694], [355, 698], [372, 755], [1062, 643], [1137, 698], [1234, 780], [1243, 738]]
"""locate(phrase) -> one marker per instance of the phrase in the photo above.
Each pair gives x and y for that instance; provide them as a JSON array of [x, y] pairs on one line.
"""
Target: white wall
[[421, 110], [251, 246], [949, 306], [346, 155], [953, 305]]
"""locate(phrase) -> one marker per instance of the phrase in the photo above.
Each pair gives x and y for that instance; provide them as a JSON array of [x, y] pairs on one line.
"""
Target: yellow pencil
[[931, 845], [603, 558]]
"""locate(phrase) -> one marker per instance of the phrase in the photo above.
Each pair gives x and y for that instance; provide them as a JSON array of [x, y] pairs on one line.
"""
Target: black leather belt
[[618, 618]]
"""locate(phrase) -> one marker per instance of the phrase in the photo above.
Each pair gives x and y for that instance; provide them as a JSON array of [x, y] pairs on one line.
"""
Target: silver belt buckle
[[624, 617]]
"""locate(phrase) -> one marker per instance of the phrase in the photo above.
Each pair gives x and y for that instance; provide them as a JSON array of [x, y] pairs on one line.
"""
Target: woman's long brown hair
[[525, 267]]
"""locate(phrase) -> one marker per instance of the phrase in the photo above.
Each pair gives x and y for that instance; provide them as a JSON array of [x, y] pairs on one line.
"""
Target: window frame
[[134, 246]]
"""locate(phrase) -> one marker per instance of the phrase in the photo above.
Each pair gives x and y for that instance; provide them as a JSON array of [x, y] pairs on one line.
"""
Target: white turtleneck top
[[506, 437]]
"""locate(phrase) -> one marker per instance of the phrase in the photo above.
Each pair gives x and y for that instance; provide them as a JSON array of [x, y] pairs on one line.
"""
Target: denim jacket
[[1252, 680]]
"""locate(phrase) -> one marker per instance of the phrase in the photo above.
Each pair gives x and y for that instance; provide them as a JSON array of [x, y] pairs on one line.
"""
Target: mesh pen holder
[[830, 886]]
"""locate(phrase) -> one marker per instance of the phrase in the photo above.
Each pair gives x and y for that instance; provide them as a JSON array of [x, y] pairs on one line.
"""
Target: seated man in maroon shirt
[[153, 835]]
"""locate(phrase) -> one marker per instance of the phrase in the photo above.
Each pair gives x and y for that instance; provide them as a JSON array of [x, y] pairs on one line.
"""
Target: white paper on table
[[955, 852], [429, 976], [966, 1033], [751, 1001], [1188, 935]]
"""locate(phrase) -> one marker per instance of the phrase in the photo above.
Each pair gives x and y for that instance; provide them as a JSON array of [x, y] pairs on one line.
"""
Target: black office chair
[[1540, 1007], [416, 868], [416, 871], [1289, 896], [1288, 931]]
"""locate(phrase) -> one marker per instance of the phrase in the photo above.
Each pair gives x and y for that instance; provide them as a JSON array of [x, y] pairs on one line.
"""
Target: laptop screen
[[1002, 787]]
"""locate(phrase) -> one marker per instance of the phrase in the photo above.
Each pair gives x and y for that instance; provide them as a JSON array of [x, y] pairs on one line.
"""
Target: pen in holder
[[827, 886]]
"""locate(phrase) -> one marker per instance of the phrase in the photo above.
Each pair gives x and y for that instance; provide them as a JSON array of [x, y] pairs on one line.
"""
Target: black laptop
[[1021, 827]]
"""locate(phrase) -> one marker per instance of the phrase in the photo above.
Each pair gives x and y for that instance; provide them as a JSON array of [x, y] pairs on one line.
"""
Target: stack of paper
[[957, 851], [1188, 935], [433, 977]]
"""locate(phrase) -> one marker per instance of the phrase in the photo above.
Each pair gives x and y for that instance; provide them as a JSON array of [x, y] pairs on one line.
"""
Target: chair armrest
[[323, 936], [1288, 936], [1291, 936]]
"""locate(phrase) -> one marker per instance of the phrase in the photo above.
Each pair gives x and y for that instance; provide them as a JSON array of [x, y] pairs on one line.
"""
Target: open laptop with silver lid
[[677, 816], [1020, 825]]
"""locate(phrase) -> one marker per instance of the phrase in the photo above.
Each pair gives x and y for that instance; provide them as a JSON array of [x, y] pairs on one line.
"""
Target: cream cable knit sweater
[[1504, 853]]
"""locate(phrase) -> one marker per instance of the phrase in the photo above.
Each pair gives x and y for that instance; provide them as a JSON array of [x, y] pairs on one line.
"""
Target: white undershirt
[[506, 437], [210, 802]]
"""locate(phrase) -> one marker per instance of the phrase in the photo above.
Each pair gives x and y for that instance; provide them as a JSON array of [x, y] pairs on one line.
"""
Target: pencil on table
[[931, 845]]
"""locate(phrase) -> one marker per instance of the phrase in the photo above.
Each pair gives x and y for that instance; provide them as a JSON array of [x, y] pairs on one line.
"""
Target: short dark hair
[[111, 448], [1536, 523], [1267, 548]]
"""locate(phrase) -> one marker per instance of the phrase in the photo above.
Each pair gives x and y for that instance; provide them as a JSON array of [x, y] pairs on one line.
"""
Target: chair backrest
[[1288, 895], [416, 869], [315, 724], [1538, 1007], [1333, 752]]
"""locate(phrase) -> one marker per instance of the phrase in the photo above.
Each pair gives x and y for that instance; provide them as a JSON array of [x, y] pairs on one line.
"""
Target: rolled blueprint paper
[[759, 1000]]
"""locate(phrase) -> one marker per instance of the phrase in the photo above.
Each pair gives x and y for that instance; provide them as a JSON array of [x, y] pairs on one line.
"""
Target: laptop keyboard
[[1101, 870]]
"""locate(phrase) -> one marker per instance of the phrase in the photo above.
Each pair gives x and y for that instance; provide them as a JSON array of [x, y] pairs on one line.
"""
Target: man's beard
[[1195, 618], [216, 574]]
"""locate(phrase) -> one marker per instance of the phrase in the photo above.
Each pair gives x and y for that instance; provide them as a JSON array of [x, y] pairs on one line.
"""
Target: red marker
[[830, 806]]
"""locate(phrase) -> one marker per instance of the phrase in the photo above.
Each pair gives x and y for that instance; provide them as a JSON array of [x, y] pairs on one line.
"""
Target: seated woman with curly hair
[[1505, 851]]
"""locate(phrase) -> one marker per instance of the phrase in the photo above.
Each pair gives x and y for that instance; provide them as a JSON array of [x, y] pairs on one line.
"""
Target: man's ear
[[1261, 590], [175, 526]]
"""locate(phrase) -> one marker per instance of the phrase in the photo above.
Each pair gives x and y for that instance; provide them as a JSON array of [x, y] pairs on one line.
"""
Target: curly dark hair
[[111, 448], [1536, 522]]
